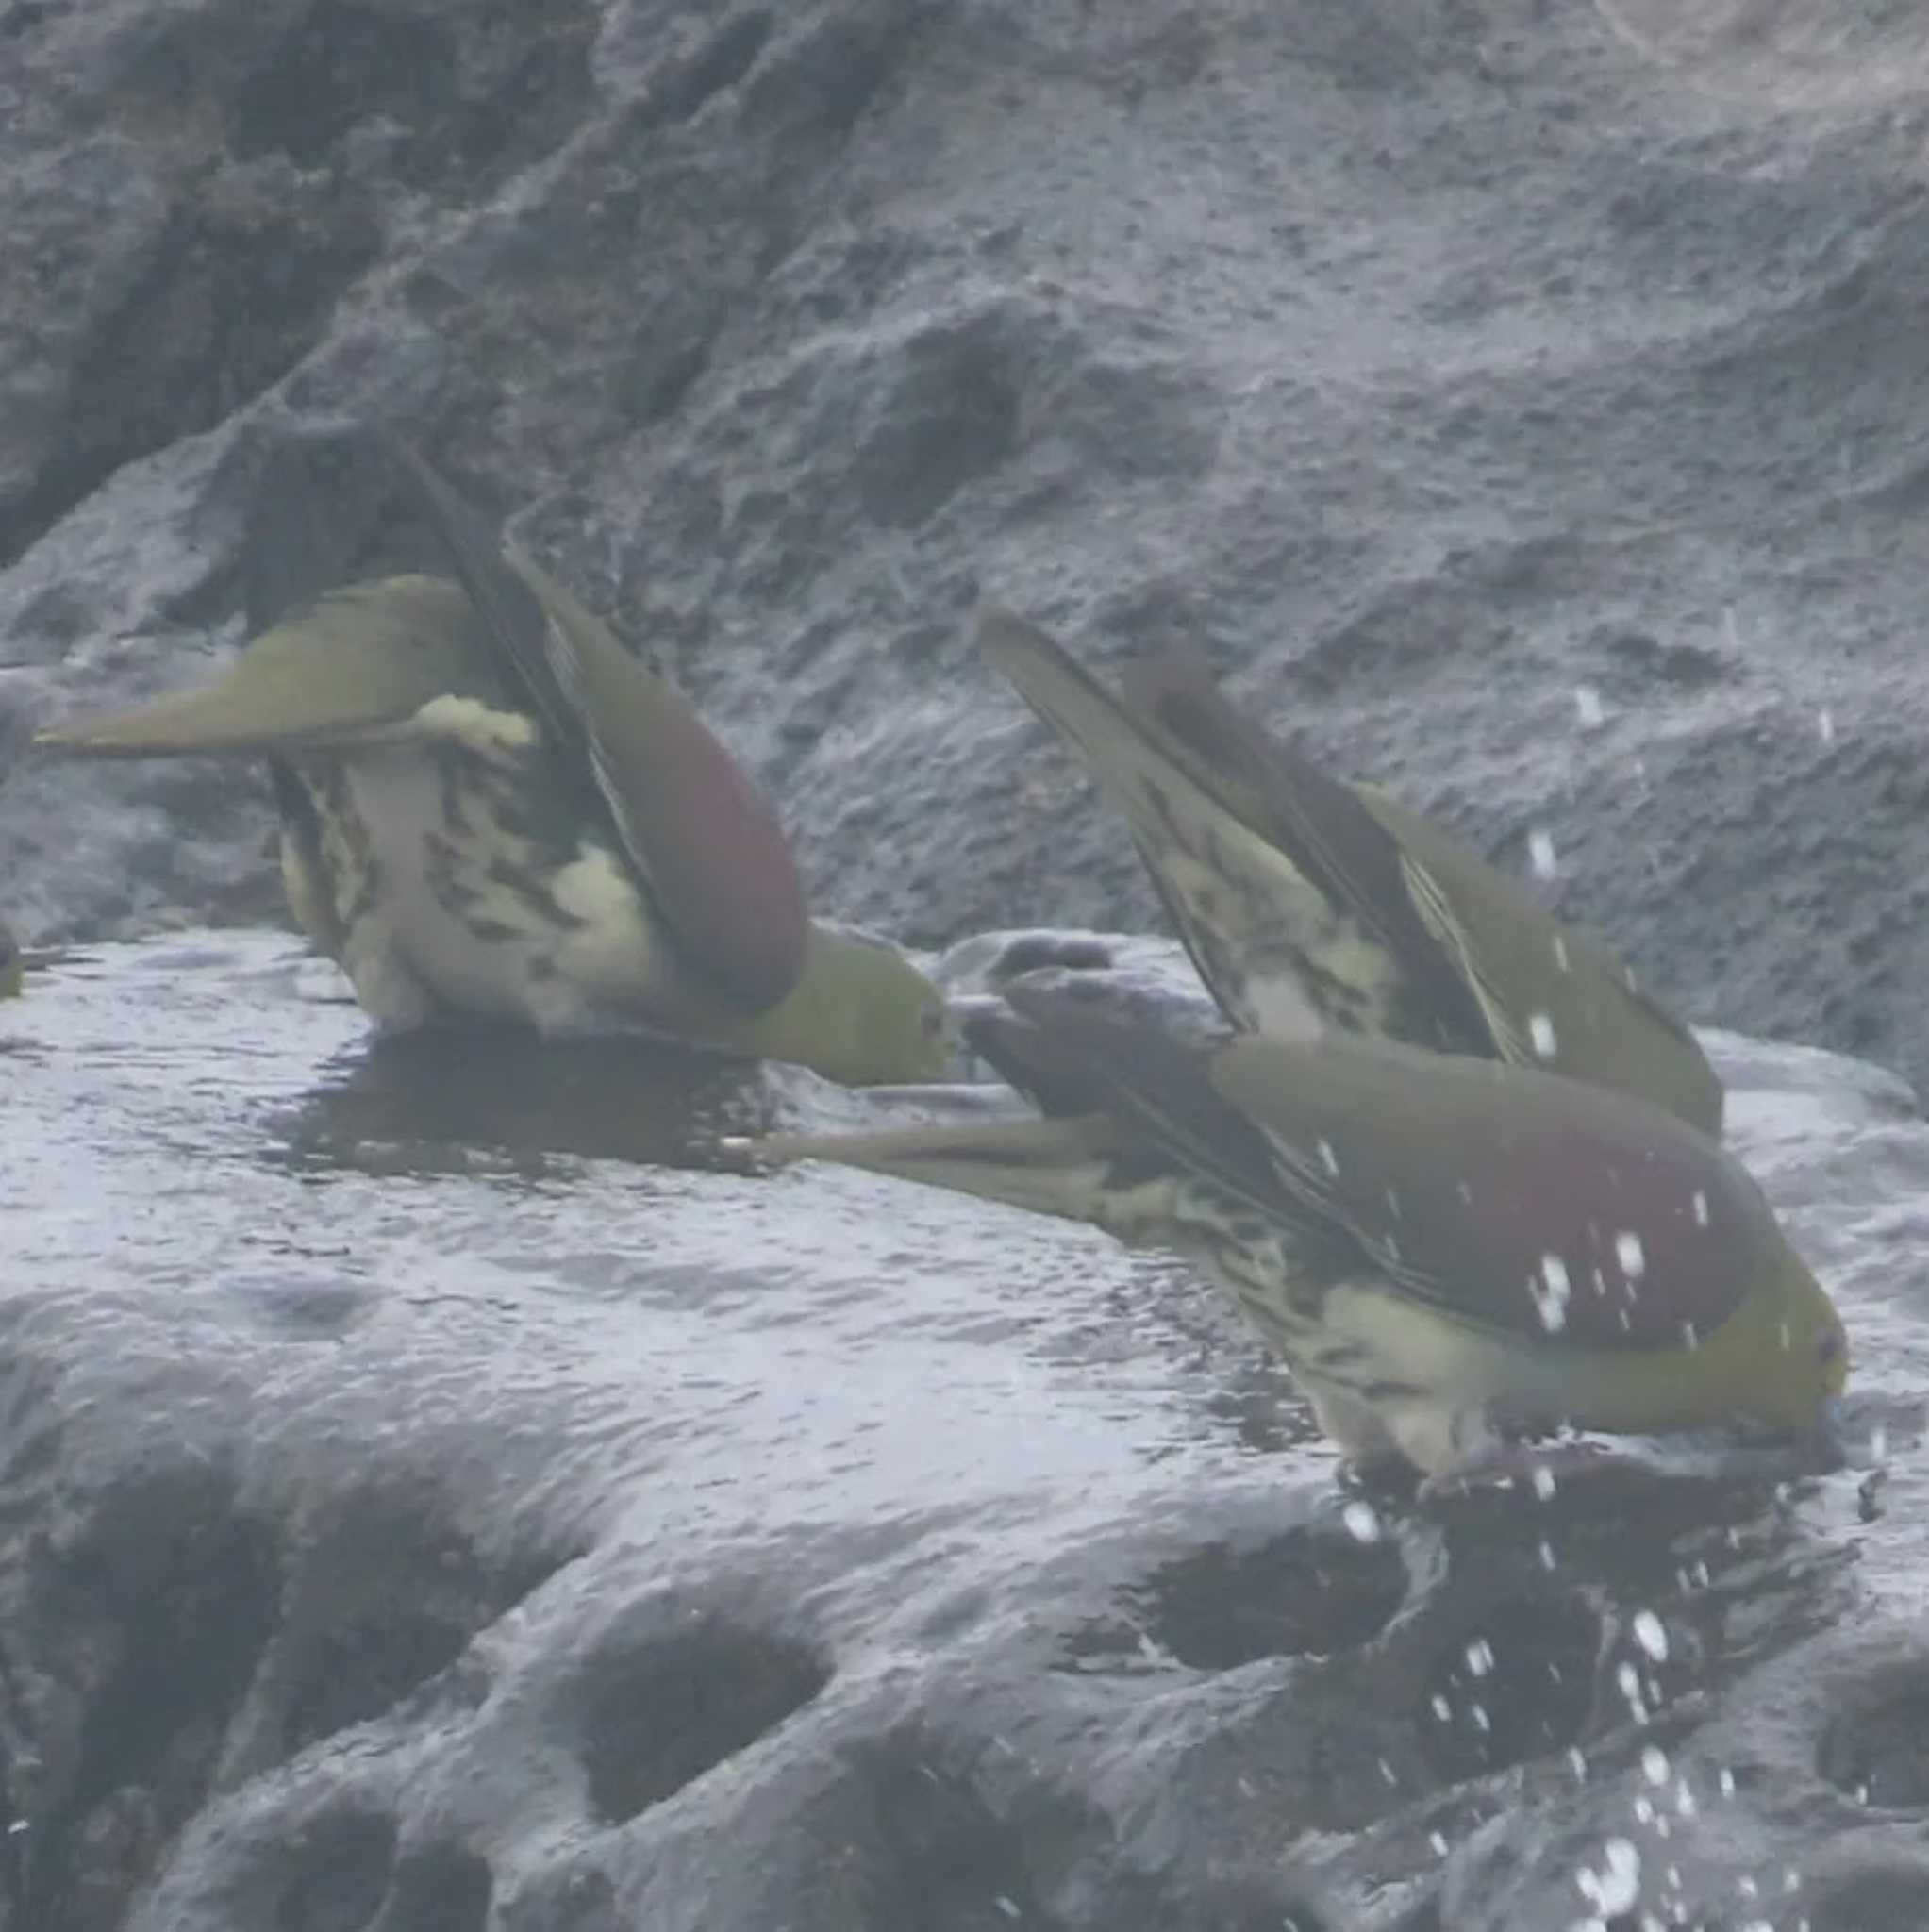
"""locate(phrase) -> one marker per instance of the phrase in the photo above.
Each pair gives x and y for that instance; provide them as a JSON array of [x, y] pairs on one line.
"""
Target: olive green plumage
[[12, 975], [490, 808], [1445, 1250], [1310, 903]]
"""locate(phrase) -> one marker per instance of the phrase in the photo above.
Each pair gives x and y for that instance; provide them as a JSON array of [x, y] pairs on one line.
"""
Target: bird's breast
[[459, 866]]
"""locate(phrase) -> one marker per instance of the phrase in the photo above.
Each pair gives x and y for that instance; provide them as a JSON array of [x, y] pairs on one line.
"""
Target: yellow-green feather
[[358, 658], [1526, 965]]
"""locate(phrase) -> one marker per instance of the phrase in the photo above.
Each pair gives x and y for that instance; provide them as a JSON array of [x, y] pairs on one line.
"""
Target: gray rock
[[429, 1503], [441, 1493]]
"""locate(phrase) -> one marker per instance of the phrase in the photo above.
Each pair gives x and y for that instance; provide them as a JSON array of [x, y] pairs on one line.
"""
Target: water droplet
[[1685, 1804], [1329, 1158], [1587, 707], [1480, 1657], [1544, 1482], [1541, 1031], [1690, 1337], [1615, 1887], [1652, 1635], [1725, 1780], [1007, 1906], [1551, 1292], [1362, 1522], [1546, 1554], [1629, 1251], [1540, 853], [1577, 1765], [1439, 1844], [1701, 1209], [1442, 1709], [1560, 953], [1825, 725], [1655, 1765], [1628, 1680]]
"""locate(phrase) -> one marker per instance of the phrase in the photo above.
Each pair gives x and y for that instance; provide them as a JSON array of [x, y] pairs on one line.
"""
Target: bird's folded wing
[[1319, 821], [1435, 906], [1173, 719], [709, 844], [1519, 1201], [1522, 963], [1160, 1087]]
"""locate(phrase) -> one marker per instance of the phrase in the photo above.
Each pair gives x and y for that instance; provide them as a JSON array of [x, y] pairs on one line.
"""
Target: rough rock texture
[[1525, 400], [422, 1515], [1432, 361]]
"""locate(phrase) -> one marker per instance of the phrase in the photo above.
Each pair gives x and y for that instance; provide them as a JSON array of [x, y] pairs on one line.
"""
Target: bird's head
[[860, 1013], [1792, 1355]]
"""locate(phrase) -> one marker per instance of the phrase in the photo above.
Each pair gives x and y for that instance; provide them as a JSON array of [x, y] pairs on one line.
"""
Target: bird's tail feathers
[[1057, 1167]]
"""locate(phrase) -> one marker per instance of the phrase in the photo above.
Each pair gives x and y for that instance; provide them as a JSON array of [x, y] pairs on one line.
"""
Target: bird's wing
[[708, 843], [1531, 971], [1159, 1088], [1522, 1202], [1172, 719], [1434, 903], [1317, 821]]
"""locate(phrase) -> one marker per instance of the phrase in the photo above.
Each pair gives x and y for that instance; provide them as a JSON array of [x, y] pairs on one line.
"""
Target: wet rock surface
[[430, 1502], [522, 1520]]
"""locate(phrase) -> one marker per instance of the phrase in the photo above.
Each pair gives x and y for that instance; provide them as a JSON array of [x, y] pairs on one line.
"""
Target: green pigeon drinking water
[[1307, 903], [491, 809], [1446, 1251]]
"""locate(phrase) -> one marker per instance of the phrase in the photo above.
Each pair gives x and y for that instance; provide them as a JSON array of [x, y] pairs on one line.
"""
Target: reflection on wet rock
[[461, 1497], [505, 1100], [1303, 1594]]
